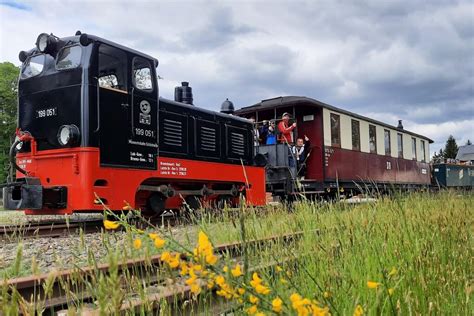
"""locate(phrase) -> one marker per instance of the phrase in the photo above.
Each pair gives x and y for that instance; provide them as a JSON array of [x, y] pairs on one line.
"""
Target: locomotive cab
[[81, 92]]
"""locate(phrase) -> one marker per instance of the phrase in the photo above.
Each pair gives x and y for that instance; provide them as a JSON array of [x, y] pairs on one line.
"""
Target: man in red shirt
[[286, 130]]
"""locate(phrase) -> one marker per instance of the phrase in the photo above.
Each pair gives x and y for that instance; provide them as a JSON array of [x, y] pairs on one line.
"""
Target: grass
[[416, 251]]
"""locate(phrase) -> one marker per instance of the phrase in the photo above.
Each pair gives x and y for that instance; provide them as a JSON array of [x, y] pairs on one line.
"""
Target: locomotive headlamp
[[68, 135], [22, 56], [46, 43]]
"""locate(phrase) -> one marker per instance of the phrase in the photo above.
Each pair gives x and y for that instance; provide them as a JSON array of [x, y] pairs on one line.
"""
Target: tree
[[438, 157], [451, 148], [8, 102]]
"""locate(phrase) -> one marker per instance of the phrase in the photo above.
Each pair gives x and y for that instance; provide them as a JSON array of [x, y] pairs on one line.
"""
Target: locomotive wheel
[[193, 202], [223, 201], [156, 203]]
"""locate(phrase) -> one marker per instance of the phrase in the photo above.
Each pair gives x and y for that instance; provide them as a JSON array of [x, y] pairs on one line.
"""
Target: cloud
[[391, 60]]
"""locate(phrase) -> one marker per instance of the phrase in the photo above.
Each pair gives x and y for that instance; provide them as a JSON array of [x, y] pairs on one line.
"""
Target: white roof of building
[[465, 153]]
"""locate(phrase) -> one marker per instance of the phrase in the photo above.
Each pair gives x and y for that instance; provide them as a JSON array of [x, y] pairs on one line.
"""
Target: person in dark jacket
[[263, 131], [300, 152]]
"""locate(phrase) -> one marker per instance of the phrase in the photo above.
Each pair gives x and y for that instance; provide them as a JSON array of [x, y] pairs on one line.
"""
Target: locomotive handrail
[[98, 105], [12, 157]]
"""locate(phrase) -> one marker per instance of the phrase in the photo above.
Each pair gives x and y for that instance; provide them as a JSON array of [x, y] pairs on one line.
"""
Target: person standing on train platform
[[256, 133], [301, 152], [286, 130], [263, 132], [271, 135]]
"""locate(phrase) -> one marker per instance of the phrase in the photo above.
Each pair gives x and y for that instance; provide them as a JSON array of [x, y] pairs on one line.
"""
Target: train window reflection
[[335, 130], [69, 57], [33, 66], [373, 139], [355, 135], [108, 81]]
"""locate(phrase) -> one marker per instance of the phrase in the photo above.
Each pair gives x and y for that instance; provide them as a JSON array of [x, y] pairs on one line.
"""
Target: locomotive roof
[[284, 101], [75, 39], [203, 110]]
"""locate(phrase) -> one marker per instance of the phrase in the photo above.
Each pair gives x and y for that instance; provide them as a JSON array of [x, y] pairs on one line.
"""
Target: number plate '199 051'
[[46, 112]]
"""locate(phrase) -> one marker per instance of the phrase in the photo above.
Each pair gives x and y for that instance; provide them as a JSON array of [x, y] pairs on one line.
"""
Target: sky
[[388, 60]]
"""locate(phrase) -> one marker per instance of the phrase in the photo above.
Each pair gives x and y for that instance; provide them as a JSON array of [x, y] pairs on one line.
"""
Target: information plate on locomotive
[[48, 112]]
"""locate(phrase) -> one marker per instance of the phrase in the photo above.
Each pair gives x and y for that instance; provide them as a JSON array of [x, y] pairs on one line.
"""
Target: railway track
[[59, 298], [49, 228], [62, 228]]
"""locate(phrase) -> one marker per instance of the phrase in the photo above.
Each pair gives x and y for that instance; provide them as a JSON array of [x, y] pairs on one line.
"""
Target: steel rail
[[61, 283]]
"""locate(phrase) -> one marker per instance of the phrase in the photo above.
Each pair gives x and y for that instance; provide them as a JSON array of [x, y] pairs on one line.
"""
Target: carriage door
[[118, 142]]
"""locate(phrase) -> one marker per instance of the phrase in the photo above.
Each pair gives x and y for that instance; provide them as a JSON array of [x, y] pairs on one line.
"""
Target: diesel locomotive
[[93, 130]]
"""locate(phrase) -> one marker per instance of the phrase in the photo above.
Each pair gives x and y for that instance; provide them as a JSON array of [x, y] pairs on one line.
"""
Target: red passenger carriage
[[348, 151]]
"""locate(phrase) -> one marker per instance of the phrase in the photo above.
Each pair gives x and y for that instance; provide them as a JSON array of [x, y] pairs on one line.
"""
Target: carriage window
[[112, 68], [33, 66], [413, 148], [423, 151], [335, 130], [388, 148], [355, 135], [373, 139], [69, 57], [400, 145], [142, 74]]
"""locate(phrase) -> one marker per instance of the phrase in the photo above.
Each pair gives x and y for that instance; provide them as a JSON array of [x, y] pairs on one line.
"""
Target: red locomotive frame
[[79, 169]]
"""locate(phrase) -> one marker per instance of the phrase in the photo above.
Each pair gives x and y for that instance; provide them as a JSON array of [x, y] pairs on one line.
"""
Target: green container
[[451, 175]]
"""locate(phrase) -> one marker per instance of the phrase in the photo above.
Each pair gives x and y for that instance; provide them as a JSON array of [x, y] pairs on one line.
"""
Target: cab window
[[69, 57], [112, 68], [142, 77], [33, 66]]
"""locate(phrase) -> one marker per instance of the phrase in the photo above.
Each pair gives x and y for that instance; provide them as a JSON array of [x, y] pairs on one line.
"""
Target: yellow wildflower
[[255, 280], [279, 269], [225, 269], [137, 243], [195, 288], [184, 269], [252, 310], [295, 297], [191, 280], [326, 294], [390, 291], [260, 314], [283, 281], [220, 280], [253, 299], [197, 267], [241, 291], [277, 305], [210, 284], [159, 243], [358, 311], [111, 225], [153, 235], [165, 256], [372, 284], [392, 272], [211, 259], [174, 261], [260, 289], [236, 272]]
